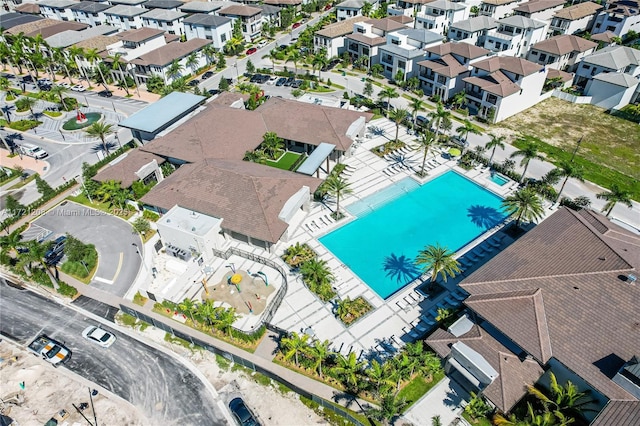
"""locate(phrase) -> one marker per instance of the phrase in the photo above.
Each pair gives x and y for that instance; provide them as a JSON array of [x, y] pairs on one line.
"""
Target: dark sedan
[[242, 414]]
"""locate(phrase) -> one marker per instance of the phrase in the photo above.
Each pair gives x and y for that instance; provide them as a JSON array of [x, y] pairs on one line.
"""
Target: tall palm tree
[[295, 58], [380, 375], [390, 407], [117, 66], [524, 204], [317, 274], [466, 128], [614, 196], [528, 153], [224, 319], [272, 56], [459, 99], [320, 352], [426, 141], [59, 91], [439, 118], [494, 142], [415, 105], [60, 58], [9, 243], [93, 56], [188, 307], [349, 370], [338, 187], [567, 399], [209, 53], [439, 260], [272, 144], [568, 170], [206, 312], [398, 116], [388, 93], [37, 253], [100, 130], [76, 54], [26, 102], [192, 62], [320, 61], [294, 345]]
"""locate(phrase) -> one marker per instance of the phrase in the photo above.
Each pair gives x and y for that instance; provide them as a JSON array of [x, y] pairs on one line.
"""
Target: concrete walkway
[[444, 400]]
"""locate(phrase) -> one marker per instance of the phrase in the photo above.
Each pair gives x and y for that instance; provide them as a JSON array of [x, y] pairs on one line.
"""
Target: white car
[[261, 44], [273, 80], [65, 85], [99, 336], [78, 88]]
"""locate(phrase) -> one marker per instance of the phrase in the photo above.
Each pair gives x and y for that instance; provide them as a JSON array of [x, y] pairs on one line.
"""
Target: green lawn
[[415, 389], [482, 421], [285, 162]]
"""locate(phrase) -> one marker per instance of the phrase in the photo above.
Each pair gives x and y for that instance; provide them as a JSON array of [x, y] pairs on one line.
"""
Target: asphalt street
[[118, 261], [163, 389]]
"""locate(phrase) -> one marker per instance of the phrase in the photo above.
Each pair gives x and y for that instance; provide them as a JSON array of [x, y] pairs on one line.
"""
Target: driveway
[[444, 400], [118, 262]]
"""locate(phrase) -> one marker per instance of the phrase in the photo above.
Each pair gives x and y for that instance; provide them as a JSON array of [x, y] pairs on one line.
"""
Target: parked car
[[44, 87], [289, 81], [65, 85], [207, 74], [283, 47], [265, 78], [105, 93], [281, 81], [296, 84], [56, 250], [99, 336], [296, 25], [49, 349], [272, 80], [213, 91], [328, 7], [251, 51], [421, 120], [254, 78], [241, 413], [27, 79], [194, 82], [44, 81], [78, 88], [33, 151], [262, 44]]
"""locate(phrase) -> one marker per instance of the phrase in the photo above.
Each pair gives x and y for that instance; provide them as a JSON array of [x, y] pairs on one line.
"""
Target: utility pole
[[576, 149]]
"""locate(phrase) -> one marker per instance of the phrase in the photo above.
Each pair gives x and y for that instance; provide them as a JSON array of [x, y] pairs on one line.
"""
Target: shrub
[[67, 290], [24, 125], [151, 216], [70, 104]]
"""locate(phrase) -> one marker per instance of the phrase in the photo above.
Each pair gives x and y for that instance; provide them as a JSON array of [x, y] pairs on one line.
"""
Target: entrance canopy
[[316, 158]]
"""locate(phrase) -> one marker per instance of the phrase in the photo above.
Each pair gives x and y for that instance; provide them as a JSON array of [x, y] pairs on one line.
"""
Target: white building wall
[[609, 96], [88, 18], [529, 95], [344, 13], [604, 23], [172, 27], [57, 14], [130, 54], [218, 36], [563, 26], [125, 23], [333, 46]]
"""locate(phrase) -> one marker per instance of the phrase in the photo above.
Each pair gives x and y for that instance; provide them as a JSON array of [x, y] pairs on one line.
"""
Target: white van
[[33, 151]]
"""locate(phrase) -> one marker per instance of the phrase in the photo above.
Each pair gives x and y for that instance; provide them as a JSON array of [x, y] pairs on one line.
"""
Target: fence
[[239, 359], [571, 98]]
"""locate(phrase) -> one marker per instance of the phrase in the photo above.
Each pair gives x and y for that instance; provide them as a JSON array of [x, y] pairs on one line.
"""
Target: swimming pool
[[393, 225], [498, 179]]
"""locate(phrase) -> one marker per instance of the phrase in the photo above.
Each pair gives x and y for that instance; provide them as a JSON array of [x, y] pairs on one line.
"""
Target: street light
[[139, 254]]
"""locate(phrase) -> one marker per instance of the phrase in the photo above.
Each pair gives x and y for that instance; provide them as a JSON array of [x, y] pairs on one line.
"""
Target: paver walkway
[[268, 346]]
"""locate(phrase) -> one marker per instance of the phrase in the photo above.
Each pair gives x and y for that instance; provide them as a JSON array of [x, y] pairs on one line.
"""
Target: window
[[534, 53], [492, 99], [442, 79], [585, 66], [498, 45], [396, 42], [543, 56], [223, 38], [360, 30]]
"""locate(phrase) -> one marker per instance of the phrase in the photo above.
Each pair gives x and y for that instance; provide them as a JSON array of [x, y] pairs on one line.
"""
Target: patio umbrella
[[454, 152]]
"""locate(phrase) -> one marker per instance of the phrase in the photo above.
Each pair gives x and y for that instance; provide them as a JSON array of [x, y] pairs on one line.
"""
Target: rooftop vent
[[632, 279]]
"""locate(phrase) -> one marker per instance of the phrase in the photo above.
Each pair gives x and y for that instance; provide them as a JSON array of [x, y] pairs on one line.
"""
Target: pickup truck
[[50, 350]]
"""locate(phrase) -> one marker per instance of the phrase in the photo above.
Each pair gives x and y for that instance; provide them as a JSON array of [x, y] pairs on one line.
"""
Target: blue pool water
[[393, 225], [499, 179]]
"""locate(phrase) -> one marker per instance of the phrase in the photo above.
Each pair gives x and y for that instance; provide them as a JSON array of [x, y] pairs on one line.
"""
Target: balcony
[[395, 10], [475, 94], [500, 36]]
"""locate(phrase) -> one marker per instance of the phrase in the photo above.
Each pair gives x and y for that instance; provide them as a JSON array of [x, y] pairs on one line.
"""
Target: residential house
[[56, 9], [125, 17], [541, 10], [530, 312], [445, 67], [498, 9], [159, 61], [502, 86], [562, 52], [134, 3], [472, 30], [351, 8], [270, 14], [332, 37], [206, 7], [606, 38], [251, 18], [46, 28], [295, 4], [71, 37], [515, 35], [89, 12], [404, 48], [367, 37], [619, 17], [167, 20], [217, 29], [612, 59], [574, 19], [613, 90], [163, 4], [438, 15], [134, 43], [26, 9]]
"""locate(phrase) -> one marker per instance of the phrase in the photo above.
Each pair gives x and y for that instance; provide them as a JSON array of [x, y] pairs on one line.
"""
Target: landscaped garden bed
[[297, 254], [388, 148], [350, 311]]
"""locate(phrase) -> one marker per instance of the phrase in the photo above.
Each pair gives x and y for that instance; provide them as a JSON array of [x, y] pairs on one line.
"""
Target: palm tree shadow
[[375, 130], [100, 148], [484, 217], [400, 268]]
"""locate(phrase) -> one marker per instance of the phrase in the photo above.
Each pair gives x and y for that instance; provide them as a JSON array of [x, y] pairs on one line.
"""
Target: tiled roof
[[122, 170], [247, 196], [446, 65], [533, 6], [351, 4], [578, 11], [464, 50], [369, 41], [614, 57], [57, 4], [90, 7], [498, 2], [403, 19], [240, 10], [202, 6], [340, 28], [477, 23], [386, 24], [519, 21], [495, 82], [617, 78], [12, 20], [284, 2], [563, 75], [162, 4], [206, 20], [514, 374], [619, 413], [508, 63], [141, 34], [29, 8], [31, 25], [625, 7], [166, 54], [99, 42], [606, 37], [571, 266], [125, 10], [446, 5], [564, 44], [422, 35], [58, 27], [164, 15]]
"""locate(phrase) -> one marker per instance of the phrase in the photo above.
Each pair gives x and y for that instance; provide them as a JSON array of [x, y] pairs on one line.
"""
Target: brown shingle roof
[[508, 63], [498, 2], [283, 2], [465, 50], [99, 43], [575, 260], [513, 374], [404, 19], [606, 37], [138, 35], [534, 6], [386, 24], [447, 65], [340, 28], [56, 28], [124, 170], [564, 44], [553, 73], [28, 8], [496, 83], [33, 26], [248, 196], [619, 413], [578, 11], [369, 41], [166, 54], [239, 10]]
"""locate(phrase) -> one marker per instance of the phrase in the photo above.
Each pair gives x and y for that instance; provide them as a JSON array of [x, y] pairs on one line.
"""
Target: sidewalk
[[27, 163]]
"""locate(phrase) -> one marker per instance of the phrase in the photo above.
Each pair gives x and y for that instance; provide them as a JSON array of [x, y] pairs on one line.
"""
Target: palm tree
[[175, 69], [439, 260], [524, 204], [348, 369], [272, 144], [316, 271], [76, 53], [37, 253], [380, 375], [388, 93], [206, 311], [295, 58], [10, 242], [257, 156], [566, 399], [92, 56], [415, 105], [192, 62], [439, 118], [188, 307], [568, 170], [425, 142], [320, 352], [337, 186], [614, 196], [528, 153], [100, 130], [320, 61], [459, 99], [495, 142], [117, 65], [294, 345], [224, 319], [272, 56], [209, 53], [390, 407], [59, 91], [366, 8], [466, 128], [398, 116], [431, 364], [26, 102]]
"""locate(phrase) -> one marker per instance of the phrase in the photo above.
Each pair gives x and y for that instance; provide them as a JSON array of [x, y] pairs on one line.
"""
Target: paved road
[[163, 389], [118, 262]]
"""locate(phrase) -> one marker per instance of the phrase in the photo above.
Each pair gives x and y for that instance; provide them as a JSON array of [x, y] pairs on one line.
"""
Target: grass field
[[610, 148], [285, 162]]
